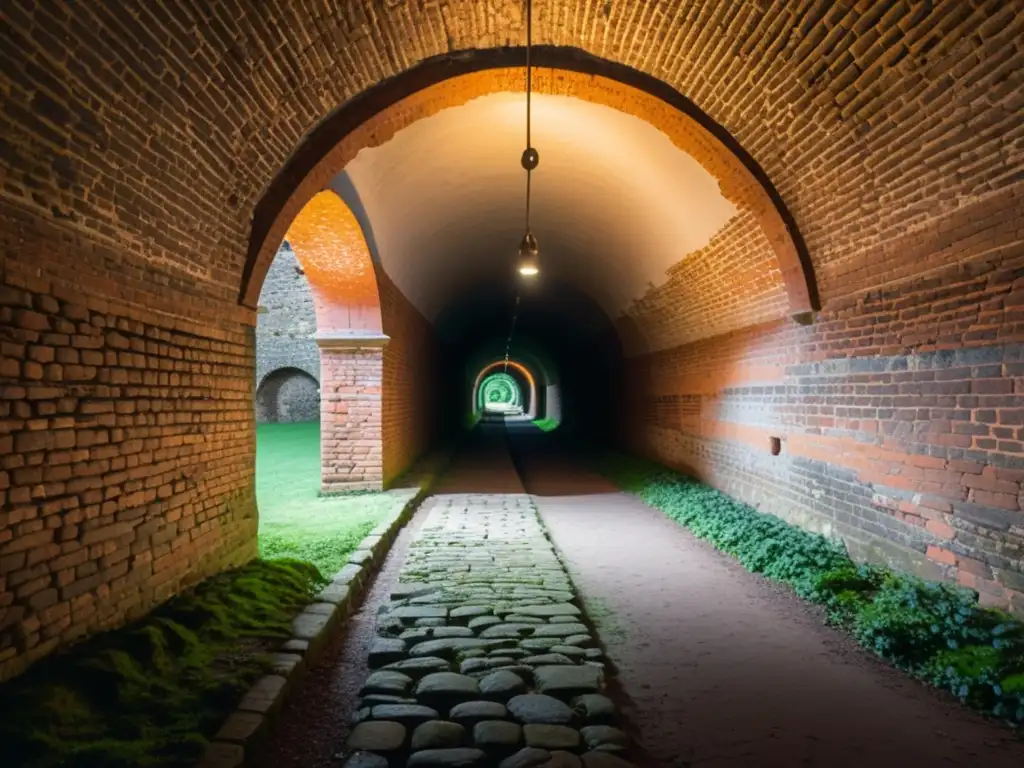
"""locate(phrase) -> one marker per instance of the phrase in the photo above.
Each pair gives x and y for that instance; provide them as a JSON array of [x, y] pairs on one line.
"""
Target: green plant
[[152, 693], [934, 631]]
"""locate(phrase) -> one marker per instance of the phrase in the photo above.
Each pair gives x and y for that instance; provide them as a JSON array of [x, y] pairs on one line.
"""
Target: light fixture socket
[[529, 257]]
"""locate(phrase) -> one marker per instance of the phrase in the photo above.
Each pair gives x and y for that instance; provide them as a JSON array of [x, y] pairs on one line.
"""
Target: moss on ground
[[153, 693], [935, 631]]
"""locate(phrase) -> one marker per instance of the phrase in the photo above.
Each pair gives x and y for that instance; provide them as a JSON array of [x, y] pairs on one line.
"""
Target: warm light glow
[[528, 271]]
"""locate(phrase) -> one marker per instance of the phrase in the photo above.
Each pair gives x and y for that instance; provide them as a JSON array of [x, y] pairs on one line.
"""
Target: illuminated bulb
[[529, 258]]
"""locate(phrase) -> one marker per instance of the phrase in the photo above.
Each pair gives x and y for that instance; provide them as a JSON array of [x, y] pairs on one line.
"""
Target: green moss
[[935, 631], [152, 693]]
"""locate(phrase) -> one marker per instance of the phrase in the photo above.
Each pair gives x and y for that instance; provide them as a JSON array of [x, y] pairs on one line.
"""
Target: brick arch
[[329, 243], [331, 247], [526, 373], [422, 91], [132, 182]]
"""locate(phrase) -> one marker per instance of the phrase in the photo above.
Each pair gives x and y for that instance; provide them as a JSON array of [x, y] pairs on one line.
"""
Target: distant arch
[[499, 392], [527, 387], [287, 395]]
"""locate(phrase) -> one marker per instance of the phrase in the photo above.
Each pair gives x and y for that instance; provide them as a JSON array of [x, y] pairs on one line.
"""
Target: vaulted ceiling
[[615, 203]]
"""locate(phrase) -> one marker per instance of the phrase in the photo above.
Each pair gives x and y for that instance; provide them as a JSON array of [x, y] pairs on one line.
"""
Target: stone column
[[351, 382]]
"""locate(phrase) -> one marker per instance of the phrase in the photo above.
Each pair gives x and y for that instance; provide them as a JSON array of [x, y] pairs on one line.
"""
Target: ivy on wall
[[934, 631]]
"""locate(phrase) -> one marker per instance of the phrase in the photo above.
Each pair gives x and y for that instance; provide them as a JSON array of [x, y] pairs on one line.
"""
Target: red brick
[[941, 555], [940, 529]]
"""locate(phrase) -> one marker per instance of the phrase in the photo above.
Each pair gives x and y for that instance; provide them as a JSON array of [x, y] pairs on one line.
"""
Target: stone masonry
[[288, 395], [285, 327], [483, 656]]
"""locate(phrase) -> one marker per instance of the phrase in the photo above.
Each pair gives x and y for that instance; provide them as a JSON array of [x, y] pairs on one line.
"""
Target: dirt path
[[724, 668]]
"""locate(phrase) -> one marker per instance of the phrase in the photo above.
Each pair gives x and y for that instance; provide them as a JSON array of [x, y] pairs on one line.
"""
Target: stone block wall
[[126, 442], [285, 327], [900, 410], [286, 396]]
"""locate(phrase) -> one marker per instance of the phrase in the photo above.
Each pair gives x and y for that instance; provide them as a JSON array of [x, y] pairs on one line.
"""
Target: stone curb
[[247, 728]]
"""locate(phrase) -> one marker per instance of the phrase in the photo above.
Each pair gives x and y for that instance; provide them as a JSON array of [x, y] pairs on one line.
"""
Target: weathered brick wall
[[351, 457], [286, 321], [410, 407], [733, 282], [901, 409], [138, 140], [126, 444]]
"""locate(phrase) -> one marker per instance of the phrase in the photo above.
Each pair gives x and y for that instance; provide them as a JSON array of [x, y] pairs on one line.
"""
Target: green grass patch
[[935, 631], [296, 522], [547, 425], [152, 693]]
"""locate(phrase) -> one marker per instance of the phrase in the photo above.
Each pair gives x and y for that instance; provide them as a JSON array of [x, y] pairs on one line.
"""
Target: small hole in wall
[[776, 445]]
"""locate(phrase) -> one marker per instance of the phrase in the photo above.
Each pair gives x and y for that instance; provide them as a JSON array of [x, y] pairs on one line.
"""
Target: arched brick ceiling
[[169, 121], [615, 203]]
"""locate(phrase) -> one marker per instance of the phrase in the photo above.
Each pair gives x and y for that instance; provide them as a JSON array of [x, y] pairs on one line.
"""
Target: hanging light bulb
[[529, 258]]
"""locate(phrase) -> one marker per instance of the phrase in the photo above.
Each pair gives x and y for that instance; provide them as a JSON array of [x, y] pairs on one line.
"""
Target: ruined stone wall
[[285, 344], [901, 410], [286, 396]]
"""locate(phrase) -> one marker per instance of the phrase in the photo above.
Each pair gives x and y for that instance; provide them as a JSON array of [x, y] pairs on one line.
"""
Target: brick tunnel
[[781, 251]]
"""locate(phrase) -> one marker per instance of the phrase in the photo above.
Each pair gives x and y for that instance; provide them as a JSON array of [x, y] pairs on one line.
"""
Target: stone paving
[[483, 657]]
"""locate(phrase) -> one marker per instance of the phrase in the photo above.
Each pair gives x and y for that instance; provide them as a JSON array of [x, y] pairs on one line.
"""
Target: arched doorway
[[286, 396], [500, 394]]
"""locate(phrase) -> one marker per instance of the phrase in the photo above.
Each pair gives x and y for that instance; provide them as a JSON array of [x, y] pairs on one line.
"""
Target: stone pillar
[[351, 383]]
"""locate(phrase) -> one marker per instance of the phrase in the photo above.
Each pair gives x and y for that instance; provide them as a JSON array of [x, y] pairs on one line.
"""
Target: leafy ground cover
[[934, 631], [151, 694], [295, 521]]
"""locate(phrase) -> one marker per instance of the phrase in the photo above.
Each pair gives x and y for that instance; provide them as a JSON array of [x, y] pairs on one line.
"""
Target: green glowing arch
[[499, 392]]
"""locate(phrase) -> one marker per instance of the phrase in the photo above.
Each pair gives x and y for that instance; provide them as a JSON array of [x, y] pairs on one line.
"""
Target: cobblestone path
[[483, 657]]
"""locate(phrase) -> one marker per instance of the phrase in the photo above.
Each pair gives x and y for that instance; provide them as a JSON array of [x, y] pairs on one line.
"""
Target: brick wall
[[410, 408], [351, 457], [901, 410], [733, 282], [126, 443], [135, 152]]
